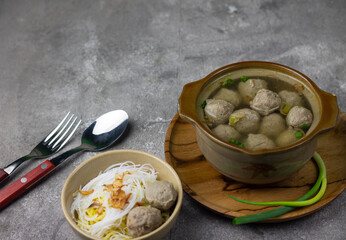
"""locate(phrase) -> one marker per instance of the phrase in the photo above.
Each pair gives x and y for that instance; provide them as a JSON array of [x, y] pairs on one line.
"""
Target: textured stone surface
[[91, 57]]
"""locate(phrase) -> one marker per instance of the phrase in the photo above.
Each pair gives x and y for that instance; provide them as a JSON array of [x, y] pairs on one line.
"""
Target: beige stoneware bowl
[[91, 168], [261, 166]]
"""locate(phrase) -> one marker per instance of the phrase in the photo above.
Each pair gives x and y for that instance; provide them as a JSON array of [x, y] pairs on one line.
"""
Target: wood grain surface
[[208, 187]]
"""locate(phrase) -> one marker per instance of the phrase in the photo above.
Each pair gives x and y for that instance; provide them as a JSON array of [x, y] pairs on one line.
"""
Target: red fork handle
[[20, 186], [3, 175]]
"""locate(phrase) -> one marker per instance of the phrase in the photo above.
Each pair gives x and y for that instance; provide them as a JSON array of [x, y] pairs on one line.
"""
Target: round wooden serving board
[[208, 187]]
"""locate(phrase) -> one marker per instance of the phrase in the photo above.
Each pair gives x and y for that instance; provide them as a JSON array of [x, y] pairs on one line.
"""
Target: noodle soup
[[123, 202]]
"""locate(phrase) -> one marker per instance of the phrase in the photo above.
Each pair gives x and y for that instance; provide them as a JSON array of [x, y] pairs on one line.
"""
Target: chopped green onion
[[236, 142], [316, 198], [244, 78], [282, 210], [298, 134], [234, 119], [204, 104], [286, 108], [227, 82], [304, 126], [75, 193], [164, 216]]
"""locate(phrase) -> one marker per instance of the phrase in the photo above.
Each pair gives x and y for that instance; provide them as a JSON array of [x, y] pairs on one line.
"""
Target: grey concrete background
[[90, 57]]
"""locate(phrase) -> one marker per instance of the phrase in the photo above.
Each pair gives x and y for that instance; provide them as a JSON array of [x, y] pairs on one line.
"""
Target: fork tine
[[64, 134], [61, 131], [55, 129], [69, 136]]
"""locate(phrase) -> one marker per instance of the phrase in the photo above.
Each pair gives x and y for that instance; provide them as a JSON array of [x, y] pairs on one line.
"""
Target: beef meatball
[[225, 132], [249, 89], [291, 98], [272, 125], [258, 142], [218, 111], [161, 194], [287, 137], [245, 120], [299, 116], [228, 95], [265, 102], [143, 220]]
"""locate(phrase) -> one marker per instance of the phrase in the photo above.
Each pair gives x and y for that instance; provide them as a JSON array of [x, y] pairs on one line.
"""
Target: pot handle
[[188, 101], [330, 111]]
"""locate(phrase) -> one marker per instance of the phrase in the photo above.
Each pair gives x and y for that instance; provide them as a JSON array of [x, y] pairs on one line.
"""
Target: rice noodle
[[111, 223]]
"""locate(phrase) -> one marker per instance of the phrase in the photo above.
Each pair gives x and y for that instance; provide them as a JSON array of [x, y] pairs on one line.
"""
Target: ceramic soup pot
[[261, 166]]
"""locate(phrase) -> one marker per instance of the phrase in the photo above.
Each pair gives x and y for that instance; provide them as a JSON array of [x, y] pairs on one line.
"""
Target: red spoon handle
[[3, 175], [21, 185]]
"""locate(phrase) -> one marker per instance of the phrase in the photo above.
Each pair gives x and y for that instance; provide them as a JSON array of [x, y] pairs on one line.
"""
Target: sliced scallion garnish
[[227, 82], [204, 104], [304, 126], [298, 134], [285, 109], [236, 142], [244, 78], [234, 119]]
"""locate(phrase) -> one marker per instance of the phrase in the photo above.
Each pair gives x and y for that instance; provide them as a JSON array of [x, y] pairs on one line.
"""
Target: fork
[[51, 144]]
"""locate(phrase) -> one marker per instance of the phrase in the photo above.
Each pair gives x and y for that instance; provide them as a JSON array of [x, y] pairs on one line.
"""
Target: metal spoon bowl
[[99, 135]]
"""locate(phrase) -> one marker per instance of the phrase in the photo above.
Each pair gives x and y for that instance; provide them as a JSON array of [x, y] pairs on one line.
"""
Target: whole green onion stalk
[[289, 205]]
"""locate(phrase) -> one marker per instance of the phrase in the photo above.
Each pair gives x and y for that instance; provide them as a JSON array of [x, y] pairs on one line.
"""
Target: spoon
[[99, 135]]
